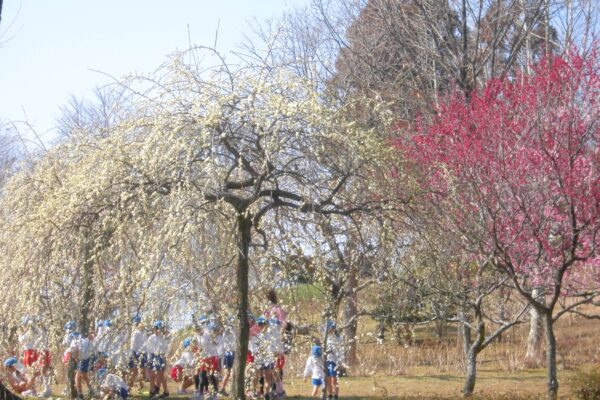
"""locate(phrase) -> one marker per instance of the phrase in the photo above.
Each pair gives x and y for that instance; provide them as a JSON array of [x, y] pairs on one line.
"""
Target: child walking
[[157, 347], [334, 353], [83, 351], [138, 359], [314, 369], [183, 369], [228, 350], [209, 362]]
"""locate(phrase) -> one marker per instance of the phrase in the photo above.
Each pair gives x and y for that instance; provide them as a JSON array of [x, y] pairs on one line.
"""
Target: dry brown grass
[[434, 369]]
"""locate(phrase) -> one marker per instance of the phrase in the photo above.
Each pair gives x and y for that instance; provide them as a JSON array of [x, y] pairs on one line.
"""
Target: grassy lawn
[[528, 384]]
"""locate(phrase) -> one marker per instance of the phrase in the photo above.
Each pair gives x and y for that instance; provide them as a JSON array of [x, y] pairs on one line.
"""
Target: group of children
[[110, 361], [324, 375]]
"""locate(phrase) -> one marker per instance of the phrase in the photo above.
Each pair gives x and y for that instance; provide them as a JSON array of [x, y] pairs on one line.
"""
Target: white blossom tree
[[197, 149]]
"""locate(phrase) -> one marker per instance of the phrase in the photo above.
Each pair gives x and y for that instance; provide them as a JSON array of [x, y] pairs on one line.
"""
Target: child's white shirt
[[41, 340], [27, 339], [275, 339], [114, 382], [207, 345], [69, 341], [228, 340], [186, 360], [103, 339], [334, 348], [157, 345], [314, 368], [84, 348], [261, 348], [138, 340]]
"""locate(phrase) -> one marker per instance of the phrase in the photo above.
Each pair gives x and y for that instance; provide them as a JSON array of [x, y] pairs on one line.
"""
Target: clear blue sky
[[50, 47]]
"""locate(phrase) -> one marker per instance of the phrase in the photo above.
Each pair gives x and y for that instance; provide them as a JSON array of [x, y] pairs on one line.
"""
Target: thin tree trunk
[[551, 356], [501, 310], [534, 348], [85, 308], [350, 320], [473, 350], [244, 236], [87, 297], [464, 335], [440, 329]]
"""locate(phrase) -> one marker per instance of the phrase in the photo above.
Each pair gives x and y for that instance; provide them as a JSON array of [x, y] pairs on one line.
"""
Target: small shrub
[[585, 385]]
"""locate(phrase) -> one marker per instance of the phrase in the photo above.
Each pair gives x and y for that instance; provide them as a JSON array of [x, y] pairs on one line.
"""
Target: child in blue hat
[[314, 369]]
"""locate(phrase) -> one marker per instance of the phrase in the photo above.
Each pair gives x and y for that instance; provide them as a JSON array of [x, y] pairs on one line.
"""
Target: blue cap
[[316, 350], [136, 319], [74, 335], [330, 324], [202, 319], [186, 342], [106, 323], [9, 362], [101, 373], [159, 324], [70, 325], [261, 320]]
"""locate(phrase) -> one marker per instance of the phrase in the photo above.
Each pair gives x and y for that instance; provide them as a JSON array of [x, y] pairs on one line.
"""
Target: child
[[209, 362], [71, 336], [263, 356], [334, 352], [27, 340], [228, 352], [44, 360], [18, 381], [111, 385], [157, 347], [82, 350], [103, 336], [277, 351], [182, 367], [314, 368], [138, 358]]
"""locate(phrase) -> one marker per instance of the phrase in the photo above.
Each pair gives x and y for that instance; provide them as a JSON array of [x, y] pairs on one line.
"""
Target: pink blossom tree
[[517, 167]]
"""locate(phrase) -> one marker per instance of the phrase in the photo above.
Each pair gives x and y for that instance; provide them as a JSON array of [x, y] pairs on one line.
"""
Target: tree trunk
[[472, 350], [501, 310], [87, 296], [244, 236], [534, 348], [464, 335], [551, 356], [85, 308], [471, 374], [440, 329], [350, 316]]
